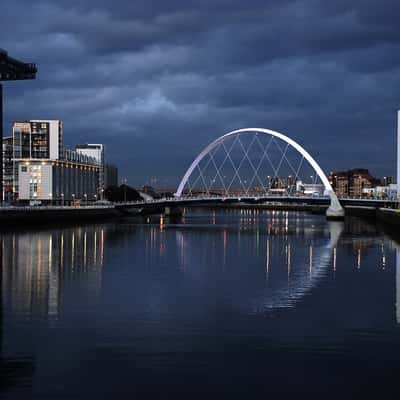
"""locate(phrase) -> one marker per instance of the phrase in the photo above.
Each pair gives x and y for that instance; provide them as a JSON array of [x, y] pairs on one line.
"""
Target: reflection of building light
[[62, 252], [84, 250], [286, 222], [39, 253], [398, 284], [95, 247], [161, 223], [53, 285], [383, 256], [288, 259], [101, 247], [310, 260], [225, 245], [267, 260], [258, 240], [50, 251], [334, 259], [359, 258], [72, 250], [162, 248]]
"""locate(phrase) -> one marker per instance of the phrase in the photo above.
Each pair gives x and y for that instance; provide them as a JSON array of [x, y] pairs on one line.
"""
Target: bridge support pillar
[[173, 211], [335, 211]]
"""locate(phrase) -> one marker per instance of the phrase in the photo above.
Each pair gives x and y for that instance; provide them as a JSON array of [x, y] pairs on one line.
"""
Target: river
[[212, 304]]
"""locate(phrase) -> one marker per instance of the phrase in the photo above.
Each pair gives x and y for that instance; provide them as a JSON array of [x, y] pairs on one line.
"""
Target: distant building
[[310, 189], [8, 168], [352, 183], [96, 151], [287, 183], [111, 176], [388, 192], [388, 180]]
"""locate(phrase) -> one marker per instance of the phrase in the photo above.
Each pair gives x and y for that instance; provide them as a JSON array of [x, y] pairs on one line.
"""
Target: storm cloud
[[156, 81]]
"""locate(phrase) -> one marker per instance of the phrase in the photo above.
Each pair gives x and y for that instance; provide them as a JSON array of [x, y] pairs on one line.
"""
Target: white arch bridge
[[253, 165], [255, 172]]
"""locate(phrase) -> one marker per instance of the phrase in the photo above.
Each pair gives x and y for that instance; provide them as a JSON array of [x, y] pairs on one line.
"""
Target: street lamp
[[62, 199], [125, 184], [73, 199], [85, 196]]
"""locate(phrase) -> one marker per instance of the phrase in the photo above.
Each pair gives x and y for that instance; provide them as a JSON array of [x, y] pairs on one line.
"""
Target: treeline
[[122, 193]]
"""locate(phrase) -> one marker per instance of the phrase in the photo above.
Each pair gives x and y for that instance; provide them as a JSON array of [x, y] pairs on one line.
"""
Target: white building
[[388, 192], [35, 139], [73, 179], [97, 152], [310, 189]]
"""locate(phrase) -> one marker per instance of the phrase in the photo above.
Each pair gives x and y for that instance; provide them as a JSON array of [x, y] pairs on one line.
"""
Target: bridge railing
[[171, 200]]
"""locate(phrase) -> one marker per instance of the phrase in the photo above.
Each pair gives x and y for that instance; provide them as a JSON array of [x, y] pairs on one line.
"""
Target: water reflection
[[38, 265], [146, 293], [398, 284], [262, 260]]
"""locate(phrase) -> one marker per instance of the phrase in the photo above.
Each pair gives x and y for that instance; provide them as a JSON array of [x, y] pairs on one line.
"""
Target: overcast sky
[[156, 81]]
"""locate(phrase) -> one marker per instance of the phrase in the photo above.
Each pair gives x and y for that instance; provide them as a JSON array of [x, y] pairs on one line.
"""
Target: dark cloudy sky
[[157, 80]]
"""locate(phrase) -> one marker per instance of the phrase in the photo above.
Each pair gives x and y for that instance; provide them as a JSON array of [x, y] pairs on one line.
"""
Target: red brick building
[[352, 182]]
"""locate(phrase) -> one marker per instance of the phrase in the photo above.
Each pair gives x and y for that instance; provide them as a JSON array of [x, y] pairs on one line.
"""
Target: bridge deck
[[210, 200]]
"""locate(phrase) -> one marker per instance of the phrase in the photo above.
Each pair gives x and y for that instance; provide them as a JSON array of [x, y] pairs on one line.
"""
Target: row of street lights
[[85, 198]]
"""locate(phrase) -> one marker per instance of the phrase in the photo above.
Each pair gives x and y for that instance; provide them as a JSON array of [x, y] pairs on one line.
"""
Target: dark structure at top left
[[11, 70], [14, 70]]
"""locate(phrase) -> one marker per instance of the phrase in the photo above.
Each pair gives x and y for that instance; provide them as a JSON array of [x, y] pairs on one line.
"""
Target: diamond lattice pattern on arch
[[253, 164]]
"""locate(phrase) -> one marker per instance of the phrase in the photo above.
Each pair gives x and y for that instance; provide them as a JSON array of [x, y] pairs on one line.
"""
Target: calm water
[[213, 304]]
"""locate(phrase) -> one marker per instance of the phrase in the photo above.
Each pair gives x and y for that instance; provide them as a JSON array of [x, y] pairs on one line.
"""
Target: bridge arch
[[335, 209]]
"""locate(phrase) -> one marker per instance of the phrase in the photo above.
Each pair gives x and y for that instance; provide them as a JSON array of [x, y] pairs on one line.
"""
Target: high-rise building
[[36, 139], [111, 176], [8, 168], [96, 151]]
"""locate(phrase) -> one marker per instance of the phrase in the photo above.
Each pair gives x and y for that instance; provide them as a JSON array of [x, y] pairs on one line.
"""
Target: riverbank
[[10, 216]]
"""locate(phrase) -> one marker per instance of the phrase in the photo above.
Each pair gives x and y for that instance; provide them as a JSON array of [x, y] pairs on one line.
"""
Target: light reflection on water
[[294, 252], [171, 285]]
